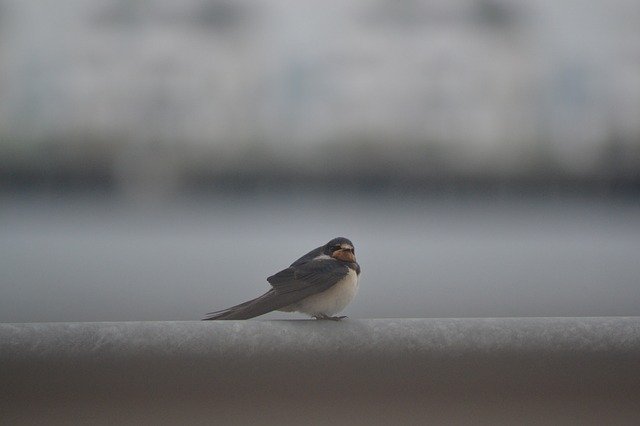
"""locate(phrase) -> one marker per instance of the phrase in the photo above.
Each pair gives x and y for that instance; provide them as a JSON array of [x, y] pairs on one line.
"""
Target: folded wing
[[288, 287]]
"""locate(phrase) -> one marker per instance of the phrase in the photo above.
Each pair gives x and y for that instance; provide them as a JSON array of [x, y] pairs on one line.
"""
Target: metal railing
[[385, 371]]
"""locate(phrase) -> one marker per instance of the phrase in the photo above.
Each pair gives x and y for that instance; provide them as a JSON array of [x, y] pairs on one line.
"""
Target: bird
[[320, 284]]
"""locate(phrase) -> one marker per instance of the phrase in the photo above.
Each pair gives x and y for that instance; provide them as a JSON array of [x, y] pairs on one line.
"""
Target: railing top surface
[[351, 335]]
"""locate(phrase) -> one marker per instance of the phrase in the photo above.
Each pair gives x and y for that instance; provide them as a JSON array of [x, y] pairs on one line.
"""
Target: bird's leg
[[327, 317]]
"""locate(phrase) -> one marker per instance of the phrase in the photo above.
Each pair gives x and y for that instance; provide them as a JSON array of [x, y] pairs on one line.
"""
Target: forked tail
[[261, 305]]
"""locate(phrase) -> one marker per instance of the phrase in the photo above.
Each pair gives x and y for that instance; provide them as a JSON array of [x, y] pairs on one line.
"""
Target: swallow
[[320, 284]]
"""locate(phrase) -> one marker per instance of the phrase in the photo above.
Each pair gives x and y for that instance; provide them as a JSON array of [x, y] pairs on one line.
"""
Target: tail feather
[[261, 305]]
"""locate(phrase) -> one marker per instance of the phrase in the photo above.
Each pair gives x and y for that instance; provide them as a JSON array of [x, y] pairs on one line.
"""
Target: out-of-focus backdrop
[[159, 159]]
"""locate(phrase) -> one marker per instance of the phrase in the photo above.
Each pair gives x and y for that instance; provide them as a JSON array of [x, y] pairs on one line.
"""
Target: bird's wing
[[309, 278], [289, 286]]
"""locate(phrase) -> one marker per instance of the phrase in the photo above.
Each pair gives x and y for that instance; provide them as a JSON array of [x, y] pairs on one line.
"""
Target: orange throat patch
[[344, 255]]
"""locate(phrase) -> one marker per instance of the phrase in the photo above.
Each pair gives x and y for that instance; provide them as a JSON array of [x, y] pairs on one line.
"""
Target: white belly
[[330, 301]]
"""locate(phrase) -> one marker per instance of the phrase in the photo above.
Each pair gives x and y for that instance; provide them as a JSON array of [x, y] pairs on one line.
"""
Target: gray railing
[[387, 371]]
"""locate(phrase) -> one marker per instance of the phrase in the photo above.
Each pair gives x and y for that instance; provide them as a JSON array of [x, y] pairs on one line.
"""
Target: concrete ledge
[[480, 371]]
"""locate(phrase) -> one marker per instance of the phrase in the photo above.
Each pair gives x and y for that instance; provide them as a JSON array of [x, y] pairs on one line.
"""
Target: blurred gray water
[[92, 258]]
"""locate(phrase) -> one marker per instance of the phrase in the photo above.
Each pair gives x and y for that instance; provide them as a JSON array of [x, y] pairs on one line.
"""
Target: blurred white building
[[490, 85]]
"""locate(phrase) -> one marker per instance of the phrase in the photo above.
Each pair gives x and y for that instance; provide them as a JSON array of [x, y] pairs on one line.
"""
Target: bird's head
[[341, 249]]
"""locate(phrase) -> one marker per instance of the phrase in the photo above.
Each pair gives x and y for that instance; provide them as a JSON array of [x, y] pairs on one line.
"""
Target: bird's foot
[[327, 317]]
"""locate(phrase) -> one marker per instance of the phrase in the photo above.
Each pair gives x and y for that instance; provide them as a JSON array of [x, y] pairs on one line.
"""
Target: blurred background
[[160, 159]]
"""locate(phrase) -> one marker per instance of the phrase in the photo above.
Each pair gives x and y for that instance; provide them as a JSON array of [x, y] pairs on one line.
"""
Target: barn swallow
[[320, 284]]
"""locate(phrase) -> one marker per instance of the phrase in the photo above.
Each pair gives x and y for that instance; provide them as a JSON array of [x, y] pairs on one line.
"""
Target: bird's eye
[[335, 248]]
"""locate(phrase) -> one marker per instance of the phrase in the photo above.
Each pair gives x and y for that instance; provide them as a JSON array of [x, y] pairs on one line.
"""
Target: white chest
[[333, 300]]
